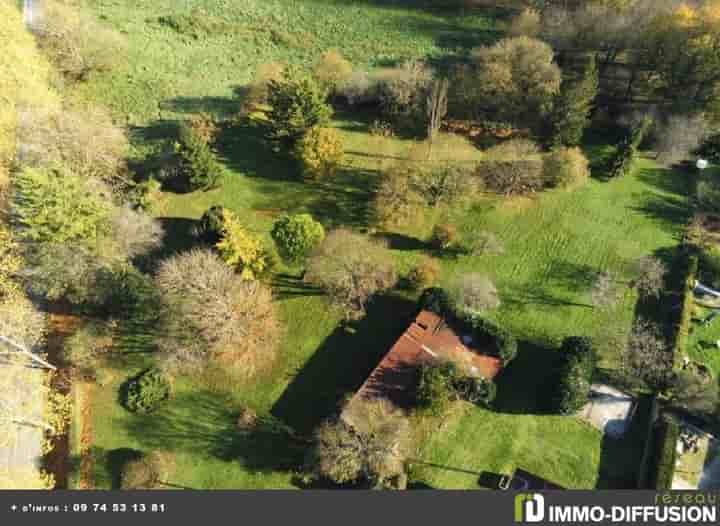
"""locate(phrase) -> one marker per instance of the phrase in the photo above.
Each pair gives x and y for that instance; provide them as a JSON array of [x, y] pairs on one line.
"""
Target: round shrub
[[435, 390], [435, 300], [296, 235], [424, 274], [211, 225], [444, 236], [320, 151], [478, 391], [332, 70], [144, 393], [566, 168]]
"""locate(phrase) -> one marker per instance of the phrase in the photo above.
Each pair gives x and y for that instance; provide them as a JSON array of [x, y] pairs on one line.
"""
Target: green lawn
[[555, 243], [702, 346], [168, 72]]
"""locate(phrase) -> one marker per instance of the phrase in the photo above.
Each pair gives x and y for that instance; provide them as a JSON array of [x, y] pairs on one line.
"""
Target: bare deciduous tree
[[84, 139], [76, 42], [651, 277], [436, 107], [134, 232], [604, 292], [474, 293], [211, 312], [367, 444], [648, 356], [678, 136], [351, 268]]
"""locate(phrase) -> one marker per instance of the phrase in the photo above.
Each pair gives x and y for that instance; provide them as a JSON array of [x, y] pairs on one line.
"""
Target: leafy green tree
[[144, 393], [435, 391], [296, 235], [571, 112], [55, 206], [624, 158], [198, 161], [297, 104], [515, 80], [211, 225]]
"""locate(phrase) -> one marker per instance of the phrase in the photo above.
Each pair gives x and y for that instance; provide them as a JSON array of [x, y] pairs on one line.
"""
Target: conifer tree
[[573, 105]]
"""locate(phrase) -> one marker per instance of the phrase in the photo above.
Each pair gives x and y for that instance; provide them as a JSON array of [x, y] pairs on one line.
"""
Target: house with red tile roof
[[429, 339]]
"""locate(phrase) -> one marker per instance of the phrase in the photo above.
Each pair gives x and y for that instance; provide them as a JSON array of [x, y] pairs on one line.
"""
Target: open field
[[555, 244]]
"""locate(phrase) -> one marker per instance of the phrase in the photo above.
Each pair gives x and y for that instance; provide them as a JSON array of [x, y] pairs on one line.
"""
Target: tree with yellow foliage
[[682, 48], [332, 70], [243, 250], [320, 151], [24, 81]]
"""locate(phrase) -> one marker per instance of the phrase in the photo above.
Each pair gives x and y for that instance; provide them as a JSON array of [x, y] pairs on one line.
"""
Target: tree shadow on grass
[[342, 363], [179, 235], [205, 423], [219, 107], [676, 180], [289, 286], [344, 200], [115, 460], [620, 458], [245, 150], [397, 241], [572, 276], [528, 384], [523, 299], [668, 206]]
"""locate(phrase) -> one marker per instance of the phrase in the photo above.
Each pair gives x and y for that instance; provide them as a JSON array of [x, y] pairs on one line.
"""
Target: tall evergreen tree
[[573, 105]]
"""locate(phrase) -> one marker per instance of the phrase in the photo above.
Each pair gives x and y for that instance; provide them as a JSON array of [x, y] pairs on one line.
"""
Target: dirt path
[[61, 325], [83, 416]]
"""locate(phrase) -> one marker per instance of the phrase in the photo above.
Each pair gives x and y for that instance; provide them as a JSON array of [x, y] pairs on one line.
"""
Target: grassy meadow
[[554, 243]]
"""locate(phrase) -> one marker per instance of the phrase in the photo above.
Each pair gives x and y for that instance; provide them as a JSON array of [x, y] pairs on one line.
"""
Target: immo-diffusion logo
[[531, 508]]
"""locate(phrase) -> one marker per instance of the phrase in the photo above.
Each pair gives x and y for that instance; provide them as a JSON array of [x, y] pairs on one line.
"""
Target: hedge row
[[648, 459], [685, 317], [663, 455], [576, 374], [498, 341]]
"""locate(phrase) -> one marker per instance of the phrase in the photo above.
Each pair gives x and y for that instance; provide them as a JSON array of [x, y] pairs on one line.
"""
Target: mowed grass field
[[555, 243]]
